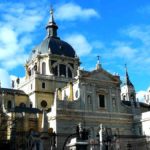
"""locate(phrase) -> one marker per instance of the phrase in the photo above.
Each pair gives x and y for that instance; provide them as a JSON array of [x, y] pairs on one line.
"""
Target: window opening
[[43, 68], [101, 101], [43, 85], [55, 71], [62, 69], [9, 104], [69, 73]]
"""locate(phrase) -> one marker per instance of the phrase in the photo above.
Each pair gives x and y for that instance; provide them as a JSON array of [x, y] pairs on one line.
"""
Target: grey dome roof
[[56, 46]]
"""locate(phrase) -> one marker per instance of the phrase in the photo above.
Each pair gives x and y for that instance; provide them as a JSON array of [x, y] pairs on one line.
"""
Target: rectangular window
[[43, 85], [101, 100]]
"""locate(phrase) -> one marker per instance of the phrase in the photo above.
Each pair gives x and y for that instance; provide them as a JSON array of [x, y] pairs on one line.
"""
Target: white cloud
[[79, 43], [140, 95], [13, 77], [4, 78], [122, 50], [125, 51], [23, 22], [18, 21], [98, 45], [17, 24], [8, 42], [72, 11], [142, 33], [134, 50], [15, 61]]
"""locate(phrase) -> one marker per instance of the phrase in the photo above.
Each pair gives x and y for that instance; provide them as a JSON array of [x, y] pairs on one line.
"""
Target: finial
[[98, 59], [126, 71], [98, 65], [51, 10], [52, 14], [52, 26]]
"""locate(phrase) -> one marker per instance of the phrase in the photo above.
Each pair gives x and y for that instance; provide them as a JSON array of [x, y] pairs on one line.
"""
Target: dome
[[53, 45]]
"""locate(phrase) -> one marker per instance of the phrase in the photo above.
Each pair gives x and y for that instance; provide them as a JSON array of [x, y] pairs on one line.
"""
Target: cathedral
[[58, 105]]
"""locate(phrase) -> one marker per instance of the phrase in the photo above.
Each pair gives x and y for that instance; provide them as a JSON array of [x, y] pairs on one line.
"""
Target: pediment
[[101, 75]]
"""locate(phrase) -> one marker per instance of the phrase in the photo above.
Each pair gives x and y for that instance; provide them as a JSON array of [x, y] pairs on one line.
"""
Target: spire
[[52, 26], [127, 80], [98, 65]]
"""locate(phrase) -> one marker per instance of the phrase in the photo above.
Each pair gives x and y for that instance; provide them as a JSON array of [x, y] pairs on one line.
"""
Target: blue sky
[[118, 31]]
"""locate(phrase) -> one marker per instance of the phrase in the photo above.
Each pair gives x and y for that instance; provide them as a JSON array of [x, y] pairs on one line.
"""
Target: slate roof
[[19, 109], [53, 45], [12, 91], [128, 103], [128, 82]]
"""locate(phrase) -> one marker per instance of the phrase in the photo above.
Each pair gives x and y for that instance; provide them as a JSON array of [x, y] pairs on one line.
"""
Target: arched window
[[43, 68], [69, 73], [9, 105], [55, 71], [62, 69]]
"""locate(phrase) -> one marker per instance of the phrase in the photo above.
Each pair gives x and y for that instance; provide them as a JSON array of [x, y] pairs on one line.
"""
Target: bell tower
[[127, 90]]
